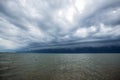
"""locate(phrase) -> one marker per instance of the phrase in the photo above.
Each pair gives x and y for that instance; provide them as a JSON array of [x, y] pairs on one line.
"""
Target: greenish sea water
[[33, 66]]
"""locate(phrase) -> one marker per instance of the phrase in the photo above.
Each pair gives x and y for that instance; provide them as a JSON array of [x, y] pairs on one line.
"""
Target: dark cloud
[[26, 23]]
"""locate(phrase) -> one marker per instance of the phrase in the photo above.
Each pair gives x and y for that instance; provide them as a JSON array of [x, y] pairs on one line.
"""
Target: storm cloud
[[25, 23]]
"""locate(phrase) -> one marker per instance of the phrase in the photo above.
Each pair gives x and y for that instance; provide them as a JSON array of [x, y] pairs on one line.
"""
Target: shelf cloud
[[26, 22]]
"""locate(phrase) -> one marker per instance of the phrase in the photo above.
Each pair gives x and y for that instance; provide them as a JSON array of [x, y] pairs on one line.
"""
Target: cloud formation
[[27, 22]]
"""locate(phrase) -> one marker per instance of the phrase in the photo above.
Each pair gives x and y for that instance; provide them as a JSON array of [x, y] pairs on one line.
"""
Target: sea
[[41, 66]]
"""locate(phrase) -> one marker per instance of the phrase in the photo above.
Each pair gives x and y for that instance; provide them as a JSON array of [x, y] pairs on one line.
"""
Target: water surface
[[59, 66]]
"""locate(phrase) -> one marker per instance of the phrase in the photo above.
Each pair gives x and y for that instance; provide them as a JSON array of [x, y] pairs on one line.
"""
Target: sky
[[38, 24]]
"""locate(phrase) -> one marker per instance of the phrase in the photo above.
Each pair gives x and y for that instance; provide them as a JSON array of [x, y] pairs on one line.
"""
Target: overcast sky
[[24, 23]]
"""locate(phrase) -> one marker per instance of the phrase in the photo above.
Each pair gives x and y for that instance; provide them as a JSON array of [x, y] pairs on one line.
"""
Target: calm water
[[59, 66]]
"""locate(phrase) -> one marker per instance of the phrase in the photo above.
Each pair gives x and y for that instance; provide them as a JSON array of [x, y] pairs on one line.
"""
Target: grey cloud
[[25, 22]]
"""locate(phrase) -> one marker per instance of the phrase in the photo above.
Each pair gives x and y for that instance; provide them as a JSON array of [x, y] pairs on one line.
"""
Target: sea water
[[37, 66]]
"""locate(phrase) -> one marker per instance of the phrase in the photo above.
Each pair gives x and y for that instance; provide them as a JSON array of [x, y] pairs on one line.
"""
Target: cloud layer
[[25, 23]]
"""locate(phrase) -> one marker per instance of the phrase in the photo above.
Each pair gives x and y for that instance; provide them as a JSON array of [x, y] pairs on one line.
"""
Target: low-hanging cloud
[[25, 22]]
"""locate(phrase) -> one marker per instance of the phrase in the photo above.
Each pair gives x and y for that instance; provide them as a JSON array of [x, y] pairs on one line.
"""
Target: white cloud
[[82, 33], [23, 22], [105, 31], [80, 5], [92, 29], [7, 44]]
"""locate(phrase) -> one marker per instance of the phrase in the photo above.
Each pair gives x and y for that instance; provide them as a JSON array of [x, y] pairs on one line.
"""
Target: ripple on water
[[59, 67]]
